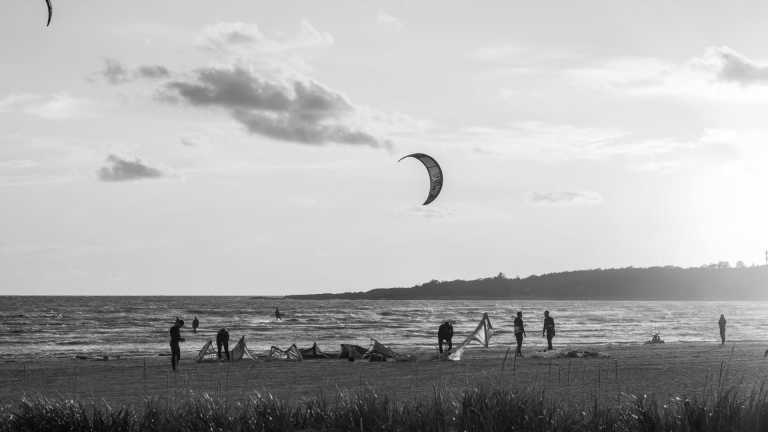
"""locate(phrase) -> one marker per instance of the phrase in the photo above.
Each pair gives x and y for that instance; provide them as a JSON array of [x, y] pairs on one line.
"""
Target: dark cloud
[[735, 67], [303, 112], [153, 72], [118, 169], [115, 72]]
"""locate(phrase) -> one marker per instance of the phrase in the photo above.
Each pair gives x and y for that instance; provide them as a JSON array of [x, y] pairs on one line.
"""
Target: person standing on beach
[[445, 333], [549, 329], [721, 323], [519, 333], [222, 339], [195, 324], [175, 339], [278, 316]]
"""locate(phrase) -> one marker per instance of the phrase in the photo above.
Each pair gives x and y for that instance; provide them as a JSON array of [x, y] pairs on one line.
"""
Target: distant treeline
[[713, 282]]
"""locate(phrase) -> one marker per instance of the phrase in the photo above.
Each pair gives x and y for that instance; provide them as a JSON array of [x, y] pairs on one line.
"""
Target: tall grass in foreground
[[482, 409]]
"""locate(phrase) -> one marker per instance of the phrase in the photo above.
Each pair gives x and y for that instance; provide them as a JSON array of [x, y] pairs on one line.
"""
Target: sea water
[[34, 327]]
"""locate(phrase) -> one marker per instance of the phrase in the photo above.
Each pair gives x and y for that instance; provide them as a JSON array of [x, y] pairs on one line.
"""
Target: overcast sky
[[244, 147]]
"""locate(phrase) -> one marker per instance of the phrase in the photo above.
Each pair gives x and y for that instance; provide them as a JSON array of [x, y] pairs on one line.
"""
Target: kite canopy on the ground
[[434, 172]]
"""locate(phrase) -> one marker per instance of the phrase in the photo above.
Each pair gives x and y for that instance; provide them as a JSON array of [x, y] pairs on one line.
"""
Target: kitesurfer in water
[[519, 333], [195, 324], [222, 340], [445, 334], [721, 324], [549, 329], [278, 316], [175, 339]]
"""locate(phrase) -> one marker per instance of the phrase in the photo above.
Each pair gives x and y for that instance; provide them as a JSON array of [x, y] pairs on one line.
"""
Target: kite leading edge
[[434, 172], [50, 12]]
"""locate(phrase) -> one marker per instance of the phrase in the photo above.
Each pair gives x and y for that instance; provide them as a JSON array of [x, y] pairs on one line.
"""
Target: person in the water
[[721, 323], [222, 340], [195, 324], [445, 334], [175, 339], [278, 316], [549, 329], [519, 333]]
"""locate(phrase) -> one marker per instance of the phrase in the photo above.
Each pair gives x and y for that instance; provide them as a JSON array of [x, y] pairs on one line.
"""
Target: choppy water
[[136, 326]]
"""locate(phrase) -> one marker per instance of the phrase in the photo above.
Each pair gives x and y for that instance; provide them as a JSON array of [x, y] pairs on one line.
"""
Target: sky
[[250, 147]]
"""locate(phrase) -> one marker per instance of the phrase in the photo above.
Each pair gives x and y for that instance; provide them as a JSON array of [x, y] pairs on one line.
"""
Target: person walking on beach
[[721, 323], [549, 329], [278, 316], [175, 339], [195, 324], [519, 333], [445, 333], [222, 339]]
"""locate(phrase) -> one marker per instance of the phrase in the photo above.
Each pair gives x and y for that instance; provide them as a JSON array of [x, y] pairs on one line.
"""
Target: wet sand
[[661, 370]]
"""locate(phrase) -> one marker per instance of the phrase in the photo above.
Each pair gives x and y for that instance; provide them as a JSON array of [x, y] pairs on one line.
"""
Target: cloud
[[298, 111], [153, 72], [730, 66], [566, 198], [245, 44], [116, 73], [720, 74], [55, 106], [387, 20], [118, 169], [239, 38]]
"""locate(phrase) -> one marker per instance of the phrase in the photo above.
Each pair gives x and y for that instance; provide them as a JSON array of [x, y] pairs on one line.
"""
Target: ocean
[[45, 327]]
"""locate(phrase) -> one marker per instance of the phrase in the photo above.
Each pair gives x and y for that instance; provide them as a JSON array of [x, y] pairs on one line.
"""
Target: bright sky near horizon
[[250, 147]]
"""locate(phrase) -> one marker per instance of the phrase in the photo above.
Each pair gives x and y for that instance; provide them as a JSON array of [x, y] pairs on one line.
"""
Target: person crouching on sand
[[721, 323], [222, 339], [549, 329], [445, 333], [175, 339], [519, 333]]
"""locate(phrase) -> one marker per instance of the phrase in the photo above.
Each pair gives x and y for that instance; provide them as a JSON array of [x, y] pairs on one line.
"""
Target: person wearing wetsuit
[[277, 314], [222, 339], [519, 333], [549, 329], [721, 323], [195, 325], [175, 339], [445, 333]]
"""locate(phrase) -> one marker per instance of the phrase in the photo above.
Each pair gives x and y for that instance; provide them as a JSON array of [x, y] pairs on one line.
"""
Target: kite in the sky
[[50, 11], [434, 172]]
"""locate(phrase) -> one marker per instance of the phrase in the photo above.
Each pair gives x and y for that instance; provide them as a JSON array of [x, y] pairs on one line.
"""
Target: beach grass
[[479, 409]]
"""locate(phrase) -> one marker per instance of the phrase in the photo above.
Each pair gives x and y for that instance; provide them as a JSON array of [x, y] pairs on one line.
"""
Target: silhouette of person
[[721, 323], [445, 333], [222, 340], [175, 339], [195, 324], [549, 329], [278, 316], [519, 333]]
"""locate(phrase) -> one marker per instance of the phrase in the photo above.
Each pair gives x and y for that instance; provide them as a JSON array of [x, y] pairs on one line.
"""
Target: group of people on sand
[[222, 339], [445, 333]]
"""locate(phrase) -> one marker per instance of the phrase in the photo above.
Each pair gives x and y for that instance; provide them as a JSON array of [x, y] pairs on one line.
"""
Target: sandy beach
[[661, 370]]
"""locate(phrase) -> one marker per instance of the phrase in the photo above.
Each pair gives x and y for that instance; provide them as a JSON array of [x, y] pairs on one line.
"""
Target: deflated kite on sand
[[290, 354], [482, 334]]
